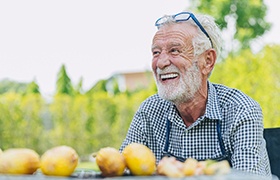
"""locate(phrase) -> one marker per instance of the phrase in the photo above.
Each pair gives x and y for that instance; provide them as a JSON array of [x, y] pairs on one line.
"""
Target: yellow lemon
[[110, 161], [19, 161], [59, 161], [190, 166], [216, 167], [139, 159]]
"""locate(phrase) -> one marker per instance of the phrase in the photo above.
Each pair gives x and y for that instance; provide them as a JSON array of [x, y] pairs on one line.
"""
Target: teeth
[[168, 76]]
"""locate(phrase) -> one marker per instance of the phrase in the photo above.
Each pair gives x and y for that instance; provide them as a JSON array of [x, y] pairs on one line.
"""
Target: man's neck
[[190, 111]]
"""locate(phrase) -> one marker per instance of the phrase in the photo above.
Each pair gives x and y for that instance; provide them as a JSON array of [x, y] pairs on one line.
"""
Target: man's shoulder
[[227, 95], [154, 103]]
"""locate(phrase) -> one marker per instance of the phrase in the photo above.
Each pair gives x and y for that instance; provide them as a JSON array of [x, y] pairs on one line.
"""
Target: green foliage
[[12, 86], [256, 75], [104, 110], [32, 88], [63, 83], [10, 114], [248, 17], [85, 122], [20, 120], [78, 89], [100, 86]]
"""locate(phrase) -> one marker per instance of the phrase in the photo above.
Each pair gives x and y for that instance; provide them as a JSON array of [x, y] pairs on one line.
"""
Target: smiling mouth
[[165, 77]]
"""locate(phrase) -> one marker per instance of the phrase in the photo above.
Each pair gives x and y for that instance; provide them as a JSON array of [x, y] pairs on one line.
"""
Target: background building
[[129, 81]]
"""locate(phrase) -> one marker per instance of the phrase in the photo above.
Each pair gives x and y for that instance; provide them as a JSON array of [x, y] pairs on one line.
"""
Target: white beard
[[182, 91]]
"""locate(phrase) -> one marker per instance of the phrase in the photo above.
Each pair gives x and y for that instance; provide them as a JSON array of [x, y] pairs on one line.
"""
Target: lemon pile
[[141, 161], [137, 158], [57, 161], [63, 160]]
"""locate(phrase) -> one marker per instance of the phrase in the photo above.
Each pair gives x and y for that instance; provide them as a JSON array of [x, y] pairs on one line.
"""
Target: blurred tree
[[245, 19], [7, 85], [78, 89], [12, 125], [31, 106], [104, 110], [63, 83], [100, 86], [112, 86], [32, 88]]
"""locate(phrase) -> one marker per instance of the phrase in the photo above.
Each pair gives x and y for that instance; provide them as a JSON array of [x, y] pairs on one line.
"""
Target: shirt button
[[186, 131]]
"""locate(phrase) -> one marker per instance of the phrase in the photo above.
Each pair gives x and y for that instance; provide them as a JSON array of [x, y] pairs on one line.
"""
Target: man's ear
[[210, 60]]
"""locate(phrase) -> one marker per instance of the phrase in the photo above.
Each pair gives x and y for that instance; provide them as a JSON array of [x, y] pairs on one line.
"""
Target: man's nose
[[163, 60]]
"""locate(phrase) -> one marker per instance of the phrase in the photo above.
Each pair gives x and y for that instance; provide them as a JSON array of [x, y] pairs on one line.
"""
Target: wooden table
[[88, 174]]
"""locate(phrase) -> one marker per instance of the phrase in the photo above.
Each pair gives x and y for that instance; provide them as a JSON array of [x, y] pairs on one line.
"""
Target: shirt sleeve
[[249, 148], [136, 131]]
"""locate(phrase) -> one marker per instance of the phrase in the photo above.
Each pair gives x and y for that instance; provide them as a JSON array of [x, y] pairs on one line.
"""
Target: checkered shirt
[[241, 128]]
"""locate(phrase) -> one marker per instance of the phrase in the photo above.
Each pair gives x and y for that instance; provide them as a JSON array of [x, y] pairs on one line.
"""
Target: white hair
[[201, 42]]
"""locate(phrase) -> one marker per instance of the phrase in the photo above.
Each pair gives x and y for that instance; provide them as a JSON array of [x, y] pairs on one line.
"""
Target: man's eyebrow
[[174, 44], [168, 46], [155, 47]]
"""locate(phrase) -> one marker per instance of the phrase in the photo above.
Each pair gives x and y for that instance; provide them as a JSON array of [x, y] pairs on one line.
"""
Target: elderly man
[[190, 116]]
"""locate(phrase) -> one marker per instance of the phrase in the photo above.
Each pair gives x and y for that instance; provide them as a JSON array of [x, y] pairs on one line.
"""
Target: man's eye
[[155, 53], [174, 51]]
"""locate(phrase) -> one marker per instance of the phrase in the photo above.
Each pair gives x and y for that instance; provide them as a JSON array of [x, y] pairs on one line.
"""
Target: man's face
[[174, 66]]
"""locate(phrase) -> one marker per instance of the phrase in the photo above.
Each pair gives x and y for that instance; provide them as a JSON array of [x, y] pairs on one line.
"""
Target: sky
[[93, 39]]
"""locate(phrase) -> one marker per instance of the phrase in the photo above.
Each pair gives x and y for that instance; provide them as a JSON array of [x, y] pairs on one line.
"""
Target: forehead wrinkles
[[174, 37]]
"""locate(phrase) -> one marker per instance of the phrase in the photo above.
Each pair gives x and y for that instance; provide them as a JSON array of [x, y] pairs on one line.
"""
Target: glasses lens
[[182, 17], [161, 20]]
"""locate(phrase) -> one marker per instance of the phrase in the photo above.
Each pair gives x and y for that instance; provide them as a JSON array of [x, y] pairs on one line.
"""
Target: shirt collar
[[212, 105], [212, 109]]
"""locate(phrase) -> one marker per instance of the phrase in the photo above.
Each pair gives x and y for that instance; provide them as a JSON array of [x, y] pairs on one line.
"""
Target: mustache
[[168, 69]]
